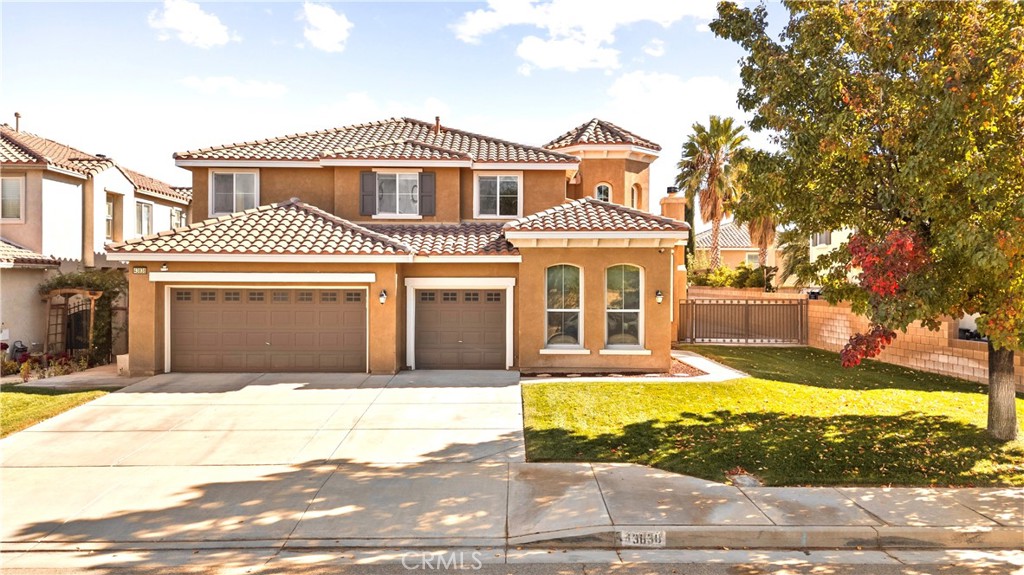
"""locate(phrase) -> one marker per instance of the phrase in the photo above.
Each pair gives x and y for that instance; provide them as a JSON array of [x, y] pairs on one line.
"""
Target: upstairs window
[[634, 197], [178, 218], [234, 192], [398, 194], [603, 192], [499, 195], [12, 198], [821, 239], [143, 218]]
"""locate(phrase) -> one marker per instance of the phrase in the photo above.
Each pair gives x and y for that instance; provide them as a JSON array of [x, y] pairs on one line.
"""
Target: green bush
[[112, 283], [722, 277]]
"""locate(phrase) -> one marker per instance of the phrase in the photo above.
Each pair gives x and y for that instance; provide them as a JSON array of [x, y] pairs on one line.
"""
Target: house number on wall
[[140, 270]]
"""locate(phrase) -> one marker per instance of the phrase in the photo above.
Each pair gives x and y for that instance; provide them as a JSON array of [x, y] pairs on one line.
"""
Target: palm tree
[[762, 234], [795, 251], [709, 168]]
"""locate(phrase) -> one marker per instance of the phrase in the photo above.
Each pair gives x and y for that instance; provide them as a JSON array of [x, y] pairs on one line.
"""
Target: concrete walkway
[[259, 471]]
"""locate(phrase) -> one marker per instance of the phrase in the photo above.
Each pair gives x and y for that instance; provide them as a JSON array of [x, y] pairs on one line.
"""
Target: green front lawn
[[22, 406], [801, 419]]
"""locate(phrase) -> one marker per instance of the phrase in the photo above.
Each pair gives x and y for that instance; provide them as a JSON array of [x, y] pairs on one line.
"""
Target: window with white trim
[[398, 194], [752, 260], [603, 192], [233, 191], [821, 238], [12, 198], [178, 218], [499, 195], [623, 306], [563, 306], [143, 218], [634, 197], [110, 219]]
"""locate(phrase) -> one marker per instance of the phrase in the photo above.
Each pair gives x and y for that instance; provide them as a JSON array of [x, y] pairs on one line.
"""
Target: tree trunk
[[1002, 408], [716, 254], [762, 257]]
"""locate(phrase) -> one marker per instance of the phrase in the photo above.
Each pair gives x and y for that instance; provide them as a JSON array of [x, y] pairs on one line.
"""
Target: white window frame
[[634, 196], [109, 219], [640, 321], [177, 218], [476, 196], [756, 257], [210, 192], [598, 187], [149, 221], [21, 200], [579, 311], [398, 174]]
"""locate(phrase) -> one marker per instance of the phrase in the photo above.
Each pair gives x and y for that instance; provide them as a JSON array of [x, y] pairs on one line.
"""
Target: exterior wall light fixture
[[383, 296], [659, 297]]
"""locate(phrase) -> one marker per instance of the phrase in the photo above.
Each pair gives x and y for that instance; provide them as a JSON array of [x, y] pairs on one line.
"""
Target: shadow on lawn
[[786, 449]]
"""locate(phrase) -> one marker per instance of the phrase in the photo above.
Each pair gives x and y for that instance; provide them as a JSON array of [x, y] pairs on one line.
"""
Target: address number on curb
[[642, 538]]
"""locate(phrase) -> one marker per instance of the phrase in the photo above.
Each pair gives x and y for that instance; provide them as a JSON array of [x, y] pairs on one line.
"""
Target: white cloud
[[190, 24], [234, 87], [580, 33], [655, 48], [326, 29]]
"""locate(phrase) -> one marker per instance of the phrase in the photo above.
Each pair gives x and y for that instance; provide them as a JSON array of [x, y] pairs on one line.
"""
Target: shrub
[[722, 277]]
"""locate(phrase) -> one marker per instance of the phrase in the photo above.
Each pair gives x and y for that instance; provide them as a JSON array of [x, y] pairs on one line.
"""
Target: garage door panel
[[229, 330], [460, 329]]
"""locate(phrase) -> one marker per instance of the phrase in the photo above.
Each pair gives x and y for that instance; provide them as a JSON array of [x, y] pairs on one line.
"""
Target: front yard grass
[[802, 419], [22, 406]]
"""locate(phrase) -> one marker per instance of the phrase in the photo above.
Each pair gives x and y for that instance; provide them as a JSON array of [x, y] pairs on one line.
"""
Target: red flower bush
[[866, 345], [887, 263]]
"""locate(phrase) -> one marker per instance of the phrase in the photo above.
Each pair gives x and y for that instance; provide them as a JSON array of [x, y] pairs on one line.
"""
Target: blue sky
[[141, 80]]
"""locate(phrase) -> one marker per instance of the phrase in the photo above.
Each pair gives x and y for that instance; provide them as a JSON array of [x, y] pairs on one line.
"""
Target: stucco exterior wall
[[22, 312], [657, 335], [620, 173], [346, 196], [62, 218], [29, 232], [147, 321]]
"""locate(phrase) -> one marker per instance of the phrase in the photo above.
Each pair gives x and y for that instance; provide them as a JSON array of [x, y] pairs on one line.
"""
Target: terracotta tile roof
[[591, 215], [12, 255], [467, 238], [155, 187], [730, 235], [23, 148], [396, 138], [290, 227], [600, 132]]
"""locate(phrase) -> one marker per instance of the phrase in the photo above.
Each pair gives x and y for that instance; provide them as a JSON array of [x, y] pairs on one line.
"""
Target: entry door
[[460, 329]]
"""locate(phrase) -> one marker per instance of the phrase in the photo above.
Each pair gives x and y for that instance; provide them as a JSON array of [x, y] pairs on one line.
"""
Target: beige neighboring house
[[735, 246], [827, 242], [61, 205], [404, 244]]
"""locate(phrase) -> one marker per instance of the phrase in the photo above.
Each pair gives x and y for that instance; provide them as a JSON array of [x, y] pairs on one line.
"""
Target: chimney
[[437, 125], [17, 121], [673, 205], [672, 190]]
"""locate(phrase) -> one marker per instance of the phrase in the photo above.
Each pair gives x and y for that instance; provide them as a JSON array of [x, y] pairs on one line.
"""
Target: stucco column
[[145, 325]]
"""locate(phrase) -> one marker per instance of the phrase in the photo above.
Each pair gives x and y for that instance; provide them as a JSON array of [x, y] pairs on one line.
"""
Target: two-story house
[[59, 207], [404, 244]]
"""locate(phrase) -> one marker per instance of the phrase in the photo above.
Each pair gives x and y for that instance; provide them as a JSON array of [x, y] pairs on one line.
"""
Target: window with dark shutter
[[367, 193], [428, 194]]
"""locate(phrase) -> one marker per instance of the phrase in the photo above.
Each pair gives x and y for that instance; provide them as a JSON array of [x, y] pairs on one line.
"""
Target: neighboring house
[[735, 246], [404, 244], [21, 272], [827, 242], [63, 204]]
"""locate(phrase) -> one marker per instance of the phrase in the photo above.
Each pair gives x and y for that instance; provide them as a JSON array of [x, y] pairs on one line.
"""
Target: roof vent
[[100, 156], [437, 125], [17, 121], [672, 190]]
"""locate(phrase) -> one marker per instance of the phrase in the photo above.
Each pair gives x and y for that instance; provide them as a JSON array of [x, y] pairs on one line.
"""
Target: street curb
[[783, 537]]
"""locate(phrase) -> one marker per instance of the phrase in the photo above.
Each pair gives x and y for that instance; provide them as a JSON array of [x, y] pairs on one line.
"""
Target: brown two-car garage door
[[460, 329], [268, 330]]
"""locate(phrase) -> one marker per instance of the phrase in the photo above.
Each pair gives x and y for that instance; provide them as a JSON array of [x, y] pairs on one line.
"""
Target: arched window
[[563, 306], [624, 305], [603, 192], [634, 196]]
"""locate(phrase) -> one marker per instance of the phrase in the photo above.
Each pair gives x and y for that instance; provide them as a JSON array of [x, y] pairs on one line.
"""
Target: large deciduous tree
[[903, 120], [710, 169]]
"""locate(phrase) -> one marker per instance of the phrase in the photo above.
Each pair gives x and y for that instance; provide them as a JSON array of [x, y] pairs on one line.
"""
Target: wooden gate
[[743, 321]]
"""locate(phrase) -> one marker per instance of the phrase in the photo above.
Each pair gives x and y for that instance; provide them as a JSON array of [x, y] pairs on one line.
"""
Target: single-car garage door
[[272, 330], [460, 329]]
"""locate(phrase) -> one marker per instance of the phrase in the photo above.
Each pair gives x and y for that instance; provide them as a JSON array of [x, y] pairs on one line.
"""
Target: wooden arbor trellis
[[61, 304]]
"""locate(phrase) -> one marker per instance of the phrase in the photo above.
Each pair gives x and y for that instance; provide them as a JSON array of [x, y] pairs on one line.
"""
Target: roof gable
[[155, 187], [291, 227], [12, 255], [730, 236], [23, 148], [396, 138], [592, 215], [599, 132]]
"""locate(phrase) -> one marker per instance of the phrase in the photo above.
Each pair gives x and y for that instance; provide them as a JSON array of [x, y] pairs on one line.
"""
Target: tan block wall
[[146, 310], [658, 275], [830, 328]]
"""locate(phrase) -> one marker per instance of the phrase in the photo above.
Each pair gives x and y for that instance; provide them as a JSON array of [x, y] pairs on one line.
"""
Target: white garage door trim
[[167, 307], [413, 284], [248, 277]]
